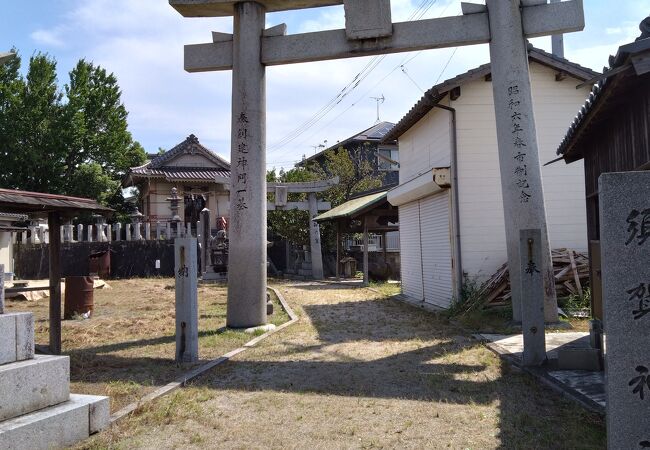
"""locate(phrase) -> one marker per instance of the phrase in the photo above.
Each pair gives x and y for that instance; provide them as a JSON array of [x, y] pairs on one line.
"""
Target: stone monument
[[505, 24], [187, 308], [625, 264], [37, 410], [532, 297]]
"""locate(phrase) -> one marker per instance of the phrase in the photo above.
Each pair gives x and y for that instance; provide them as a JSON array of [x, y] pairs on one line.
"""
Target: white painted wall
[[482, 228], [6, 250], [426, 145]]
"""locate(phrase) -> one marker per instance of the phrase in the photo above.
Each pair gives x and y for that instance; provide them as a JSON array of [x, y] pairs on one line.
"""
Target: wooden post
[[338, 250], [365, 251], [54, 223]]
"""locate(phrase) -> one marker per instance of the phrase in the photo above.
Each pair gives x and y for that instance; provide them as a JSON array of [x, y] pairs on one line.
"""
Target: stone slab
[[7, 338], [24, 336], [2, 288], [17, 332], [55, 427], [625, 267], [99, 411], [368, 19], [569, 358], [219, 8], [34, 384]]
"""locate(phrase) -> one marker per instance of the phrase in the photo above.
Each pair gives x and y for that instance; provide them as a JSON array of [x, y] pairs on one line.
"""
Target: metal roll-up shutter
[[435, 233], [410, 250]]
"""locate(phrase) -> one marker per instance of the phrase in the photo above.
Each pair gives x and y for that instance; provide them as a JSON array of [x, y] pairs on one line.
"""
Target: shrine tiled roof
[[438, 92], [161, 165], [613, 78], [181, 173]]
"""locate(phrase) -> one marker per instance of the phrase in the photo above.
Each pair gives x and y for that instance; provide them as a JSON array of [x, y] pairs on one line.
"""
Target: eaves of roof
[[375, 133], [600, 93], [438, 92]]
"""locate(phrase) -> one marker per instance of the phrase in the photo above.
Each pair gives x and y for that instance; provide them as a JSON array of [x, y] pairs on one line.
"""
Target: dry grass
[[359, 371], [127, 349]]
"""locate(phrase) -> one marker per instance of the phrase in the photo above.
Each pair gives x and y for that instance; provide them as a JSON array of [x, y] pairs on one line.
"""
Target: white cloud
[[49, 38], [141, 41]]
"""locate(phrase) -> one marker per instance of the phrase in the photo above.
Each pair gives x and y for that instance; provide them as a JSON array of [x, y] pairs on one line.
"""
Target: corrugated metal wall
[[426, 250], [436, 249], [411, 250]]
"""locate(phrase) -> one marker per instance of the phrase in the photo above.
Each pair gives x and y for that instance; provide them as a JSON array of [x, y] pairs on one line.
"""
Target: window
[[389, 153]]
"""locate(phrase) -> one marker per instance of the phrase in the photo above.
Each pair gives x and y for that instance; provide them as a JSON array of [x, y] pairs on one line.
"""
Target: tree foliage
[[355, 174], [292, 225], [71, 141]]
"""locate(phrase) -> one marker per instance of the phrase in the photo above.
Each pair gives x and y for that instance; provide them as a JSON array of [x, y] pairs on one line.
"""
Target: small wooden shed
[[611, 133], [367, 213], [54, 207]]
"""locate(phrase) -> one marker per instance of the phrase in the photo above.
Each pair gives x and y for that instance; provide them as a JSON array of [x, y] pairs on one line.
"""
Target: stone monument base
[[38, 411]]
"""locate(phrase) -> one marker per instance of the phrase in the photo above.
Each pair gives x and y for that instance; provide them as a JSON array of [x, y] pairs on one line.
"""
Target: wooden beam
[[54, 223], [338, 251], [539, 20]]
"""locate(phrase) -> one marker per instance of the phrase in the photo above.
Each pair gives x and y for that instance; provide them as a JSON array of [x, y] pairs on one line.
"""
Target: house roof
[[434, 95], [375, 133], [160, 167], [353, 207], [615, 78], [26, 202]]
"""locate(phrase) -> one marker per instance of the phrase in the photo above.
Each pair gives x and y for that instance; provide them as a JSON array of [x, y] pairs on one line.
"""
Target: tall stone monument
[[625, 265], [505, 24]]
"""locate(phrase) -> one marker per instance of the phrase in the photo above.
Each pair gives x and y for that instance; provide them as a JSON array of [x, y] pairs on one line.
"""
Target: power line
[[425, 5]]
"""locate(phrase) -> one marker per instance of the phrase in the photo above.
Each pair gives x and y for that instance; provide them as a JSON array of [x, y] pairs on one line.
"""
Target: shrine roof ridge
[[434, 95], [190, 145]]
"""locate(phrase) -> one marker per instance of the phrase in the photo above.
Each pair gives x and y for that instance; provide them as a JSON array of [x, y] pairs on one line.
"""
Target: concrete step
[[58, 426], [17, 342], [27, 386]]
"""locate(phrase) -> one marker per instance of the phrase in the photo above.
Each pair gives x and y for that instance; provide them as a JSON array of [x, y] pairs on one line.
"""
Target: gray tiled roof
[[158, 168], [603, 87]]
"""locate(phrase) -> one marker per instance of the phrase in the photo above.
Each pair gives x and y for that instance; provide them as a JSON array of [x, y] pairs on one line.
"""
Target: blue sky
[[141, 41]]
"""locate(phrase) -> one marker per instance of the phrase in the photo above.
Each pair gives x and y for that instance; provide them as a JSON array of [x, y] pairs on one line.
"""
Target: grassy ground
[[127, 349], [360, 371]]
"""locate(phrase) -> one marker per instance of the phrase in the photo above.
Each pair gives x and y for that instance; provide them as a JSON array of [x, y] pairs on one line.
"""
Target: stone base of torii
[[504, 24]]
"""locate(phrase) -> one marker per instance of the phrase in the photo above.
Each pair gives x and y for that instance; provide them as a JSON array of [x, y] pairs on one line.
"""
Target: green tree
[[355, 173], [74, 141], [30, 140], [99, 149], [292, 225]]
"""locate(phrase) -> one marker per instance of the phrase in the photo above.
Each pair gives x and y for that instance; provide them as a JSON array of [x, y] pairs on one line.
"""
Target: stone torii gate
[[504, 24]]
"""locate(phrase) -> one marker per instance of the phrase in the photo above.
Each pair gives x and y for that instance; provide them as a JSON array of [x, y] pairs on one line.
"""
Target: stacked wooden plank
[[571, 270]]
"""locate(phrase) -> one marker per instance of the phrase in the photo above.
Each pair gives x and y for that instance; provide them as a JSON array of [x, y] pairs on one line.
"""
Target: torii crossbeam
[[505, 24]]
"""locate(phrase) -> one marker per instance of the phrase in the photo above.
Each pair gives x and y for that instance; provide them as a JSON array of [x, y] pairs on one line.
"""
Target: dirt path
[[360, 371]]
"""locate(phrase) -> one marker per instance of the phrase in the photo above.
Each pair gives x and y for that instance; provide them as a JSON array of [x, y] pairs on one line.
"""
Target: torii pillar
[[505, 24]]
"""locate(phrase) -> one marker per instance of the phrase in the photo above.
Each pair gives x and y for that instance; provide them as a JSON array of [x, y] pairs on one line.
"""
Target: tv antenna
[[379, 101]]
